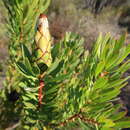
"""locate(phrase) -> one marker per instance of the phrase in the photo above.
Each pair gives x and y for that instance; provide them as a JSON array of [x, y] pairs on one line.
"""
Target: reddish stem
[[91, 121], [40, 95]]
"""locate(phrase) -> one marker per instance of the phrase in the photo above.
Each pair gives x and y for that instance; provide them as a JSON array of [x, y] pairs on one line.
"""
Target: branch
[[81, 117]]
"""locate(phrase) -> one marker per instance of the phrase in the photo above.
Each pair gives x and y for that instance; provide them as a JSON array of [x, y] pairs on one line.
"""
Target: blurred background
[[85, 17], [3, 43], [90, 17]]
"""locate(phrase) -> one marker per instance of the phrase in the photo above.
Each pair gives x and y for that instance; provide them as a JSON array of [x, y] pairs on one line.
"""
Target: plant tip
[[42, 16]]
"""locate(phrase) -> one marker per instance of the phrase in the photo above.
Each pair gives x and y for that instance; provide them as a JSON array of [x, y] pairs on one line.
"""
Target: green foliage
[[21, 24], [61, 72], [79, 88]]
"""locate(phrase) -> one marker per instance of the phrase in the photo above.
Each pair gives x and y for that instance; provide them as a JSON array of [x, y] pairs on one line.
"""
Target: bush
[[64, 86]]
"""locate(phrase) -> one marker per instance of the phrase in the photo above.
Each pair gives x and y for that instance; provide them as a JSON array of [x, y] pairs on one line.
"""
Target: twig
[[84, 119]]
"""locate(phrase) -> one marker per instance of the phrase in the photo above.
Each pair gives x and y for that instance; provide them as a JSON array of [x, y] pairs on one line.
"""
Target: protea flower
[[43, 41]]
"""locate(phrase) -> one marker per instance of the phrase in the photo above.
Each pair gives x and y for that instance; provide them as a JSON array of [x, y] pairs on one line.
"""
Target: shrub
[[63, 86]]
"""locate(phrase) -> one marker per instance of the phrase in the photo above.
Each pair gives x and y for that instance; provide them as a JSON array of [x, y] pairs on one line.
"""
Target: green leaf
[[122, 124], [24, 71], [108, 96], [106, 128], [53, 66], [28, 65], [124, 67], [25, 52], [119, 43], [46, 5], [100, 83], [104, 46], [29, 105], [55, 50], [59, 78], [29, 96], [52, 90], [111, 61], [99, 68], [124, 55], [118, 82], [97, 47], [83, 125], [36, 69], [118, 116], [108, 123]]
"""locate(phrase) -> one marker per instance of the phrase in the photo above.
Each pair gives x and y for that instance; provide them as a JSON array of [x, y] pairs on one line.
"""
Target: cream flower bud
[[43, 41]]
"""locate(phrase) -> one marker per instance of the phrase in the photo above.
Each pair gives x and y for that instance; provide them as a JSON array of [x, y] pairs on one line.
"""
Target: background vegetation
[[89, 19]]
